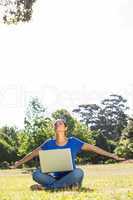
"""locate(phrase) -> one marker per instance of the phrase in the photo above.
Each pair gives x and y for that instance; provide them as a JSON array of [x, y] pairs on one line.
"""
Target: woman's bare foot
[[87, 189], [36, 187], [90, 190]]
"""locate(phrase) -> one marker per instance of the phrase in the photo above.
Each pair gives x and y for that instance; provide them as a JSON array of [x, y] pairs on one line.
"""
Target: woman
[[69, 179]]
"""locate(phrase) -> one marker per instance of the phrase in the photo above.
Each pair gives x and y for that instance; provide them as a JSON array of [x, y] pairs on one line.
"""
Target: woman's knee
[[36, 174], [78, 173]]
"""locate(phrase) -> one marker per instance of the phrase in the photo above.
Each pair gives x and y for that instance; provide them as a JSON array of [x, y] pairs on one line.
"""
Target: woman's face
[[60, 127]]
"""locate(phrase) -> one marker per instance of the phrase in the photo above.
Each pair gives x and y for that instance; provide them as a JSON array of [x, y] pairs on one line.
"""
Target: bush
[[6, 152], [4, 165]]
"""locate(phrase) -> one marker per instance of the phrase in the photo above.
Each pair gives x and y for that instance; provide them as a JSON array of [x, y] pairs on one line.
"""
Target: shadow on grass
[[82, 189], [68, 189]]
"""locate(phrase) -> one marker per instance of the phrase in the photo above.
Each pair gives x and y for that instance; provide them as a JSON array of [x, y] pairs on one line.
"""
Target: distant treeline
[[106, 125]]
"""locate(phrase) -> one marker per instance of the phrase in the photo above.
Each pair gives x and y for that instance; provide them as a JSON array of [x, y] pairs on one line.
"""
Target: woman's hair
[[60, 120]]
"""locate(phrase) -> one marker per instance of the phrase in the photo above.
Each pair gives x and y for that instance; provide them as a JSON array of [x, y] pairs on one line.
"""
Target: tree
[[110, 117], [8, 143], [82, 132], [101, 141], [6, 151], [125, 146], [37, 126], [34, 110], [88, 114], [16, 11], [116, 119], [9, 134], [92, 137]]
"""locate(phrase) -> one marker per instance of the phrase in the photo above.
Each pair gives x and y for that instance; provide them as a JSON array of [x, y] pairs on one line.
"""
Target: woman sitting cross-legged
[[67, 179]]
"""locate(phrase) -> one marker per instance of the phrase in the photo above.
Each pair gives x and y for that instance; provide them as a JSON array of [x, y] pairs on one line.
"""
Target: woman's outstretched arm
[[98, 150], [27, 158]]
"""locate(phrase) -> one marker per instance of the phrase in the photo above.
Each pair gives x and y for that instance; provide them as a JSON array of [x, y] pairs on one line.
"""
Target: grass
[[110, 182]]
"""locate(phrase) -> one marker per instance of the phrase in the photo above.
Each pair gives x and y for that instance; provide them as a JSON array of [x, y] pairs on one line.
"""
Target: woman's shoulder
[[48, 140], [72, 137]]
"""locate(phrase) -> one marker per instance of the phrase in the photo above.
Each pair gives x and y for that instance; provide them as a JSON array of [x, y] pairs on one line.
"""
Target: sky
[[72, 52]]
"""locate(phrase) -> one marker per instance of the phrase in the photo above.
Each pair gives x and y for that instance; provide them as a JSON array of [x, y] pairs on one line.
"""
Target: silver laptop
[[55, 160]]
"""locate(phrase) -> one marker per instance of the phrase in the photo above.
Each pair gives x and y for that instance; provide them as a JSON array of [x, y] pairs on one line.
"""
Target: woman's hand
[[123, 160], [118, 158], [17, 163]]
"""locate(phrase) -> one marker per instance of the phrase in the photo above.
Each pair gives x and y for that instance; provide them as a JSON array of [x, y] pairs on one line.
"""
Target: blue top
[[75, 145]]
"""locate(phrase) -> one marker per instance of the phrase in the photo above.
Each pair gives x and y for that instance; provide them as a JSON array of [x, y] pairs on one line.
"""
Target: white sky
[[72, 52]]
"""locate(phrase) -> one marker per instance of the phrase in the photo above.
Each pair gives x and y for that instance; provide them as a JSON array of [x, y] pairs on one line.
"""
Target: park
[[66, 82]]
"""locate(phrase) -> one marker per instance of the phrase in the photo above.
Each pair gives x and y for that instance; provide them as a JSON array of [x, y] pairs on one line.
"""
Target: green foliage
[[110, 117], [35, 134], [112, 145], [114, 109], [9, 134], [91, 137], [7, 152], [88, 113], [8, 143], [82, 132], [15, 143], [23, 140], [102, 142], [125, 146], [34, 110], [38, 127], [110, 161], [16, 11]]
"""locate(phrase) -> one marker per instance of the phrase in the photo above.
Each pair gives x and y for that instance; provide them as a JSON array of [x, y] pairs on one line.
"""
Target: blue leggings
[[48, 181]]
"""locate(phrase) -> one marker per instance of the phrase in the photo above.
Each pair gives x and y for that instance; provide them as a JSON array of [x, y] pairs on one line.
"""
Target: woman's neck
[[61, 139]]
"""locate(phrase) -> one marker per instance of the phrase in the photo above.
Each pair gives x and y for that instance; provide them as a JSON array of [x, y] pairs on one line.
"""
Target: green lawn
[[110, 182]]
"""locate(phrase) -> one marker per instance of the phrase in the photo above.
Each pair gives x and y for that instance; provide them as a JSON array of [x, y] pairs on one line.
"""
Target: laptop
[[55, 160]]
